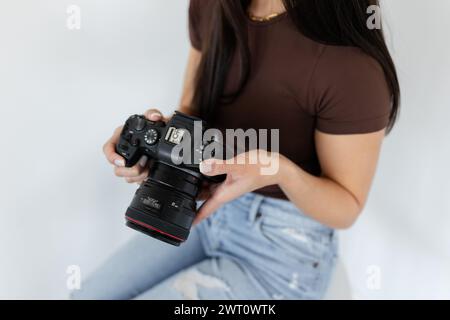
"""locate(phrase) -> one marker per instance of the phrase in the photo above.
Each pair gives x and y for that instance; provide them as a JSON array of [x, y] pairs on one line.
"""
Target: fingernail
[[143, 161], [205, 167], [155, 116], [119, 163]]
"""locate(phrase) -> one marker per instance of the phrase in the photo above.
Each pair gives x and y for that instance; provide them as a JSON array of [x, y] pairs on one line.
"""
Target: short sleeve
[[194, 24], [349, 92]]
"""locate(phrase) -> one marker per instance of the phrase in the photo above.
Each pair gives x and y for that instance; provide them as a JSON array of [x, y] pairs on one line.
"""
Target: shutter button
[[140, 124]]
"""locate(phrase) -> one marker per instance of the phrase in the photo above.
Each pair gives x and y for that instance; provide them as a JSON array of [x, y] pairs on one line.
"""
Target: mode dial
[[151, 137]]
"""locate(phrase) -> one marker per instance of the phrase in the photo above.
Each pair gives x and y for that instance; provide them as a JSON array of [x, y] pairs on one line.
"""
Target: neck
[[261, 8]]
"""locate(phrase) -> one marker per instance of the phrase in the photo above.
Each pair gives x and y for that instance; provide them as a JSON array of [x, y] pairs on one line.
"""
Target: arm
[[189, 82], [187, 94], [335, 199], [349, 96]]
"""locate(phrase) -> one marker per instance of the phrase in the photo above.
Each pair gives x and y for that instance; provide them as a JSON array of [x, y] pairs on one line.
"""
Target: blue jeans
[[252, 248]]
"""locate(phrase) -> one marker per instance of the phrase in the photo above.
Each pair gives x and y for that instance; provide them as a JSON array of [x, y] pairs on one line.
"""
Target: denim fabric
[[252, 248]]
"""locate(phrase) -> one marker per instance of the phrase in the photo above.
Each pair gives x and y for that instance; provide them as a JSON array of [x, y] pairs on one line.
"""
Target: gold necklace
[[265, 18]]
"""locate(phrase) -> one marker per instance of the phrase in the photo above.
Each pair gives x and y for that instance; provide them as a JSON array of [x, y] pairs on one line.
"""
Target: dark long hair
[[333, 22]]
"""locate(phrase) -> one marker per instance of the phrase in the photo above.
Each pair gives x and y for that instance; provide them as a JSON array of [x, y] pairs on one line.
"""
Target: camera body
[[164, 206]]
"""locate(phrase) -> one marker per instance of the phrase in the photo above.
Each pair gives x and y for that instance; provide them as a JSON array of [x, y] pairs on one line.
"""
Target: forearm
[[319, 197], [187, 109]]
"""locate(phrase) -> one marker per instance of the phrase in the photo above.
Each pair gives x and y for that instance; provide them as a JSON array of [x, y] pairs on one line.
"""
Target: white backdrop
[[62, 92]]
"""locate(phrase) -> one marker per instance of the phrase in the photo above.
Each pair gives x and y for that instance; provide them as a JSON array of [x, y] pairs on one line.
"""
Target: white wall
[[404, 230], [62, 92]]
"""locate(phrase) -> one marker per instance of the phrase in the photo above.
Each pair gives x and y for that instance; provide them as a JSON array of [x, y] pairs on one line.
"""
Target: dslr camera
[[165, 205]]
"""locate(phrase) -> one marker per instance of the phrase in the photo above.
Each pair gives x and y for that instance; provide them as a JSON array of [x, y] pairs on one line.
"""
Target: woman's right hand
[[139, 172]]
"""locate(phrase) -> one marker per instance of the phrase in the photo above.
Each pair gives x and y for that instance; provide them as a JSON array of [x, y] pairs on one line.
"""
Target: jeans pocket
[[296, 235], [303, 257]]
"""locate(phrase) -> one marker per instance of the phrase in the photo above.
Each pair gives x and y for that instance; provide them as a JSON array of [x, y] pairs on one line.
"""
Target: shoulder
[[199, 9], [200, 13], [348, 71], [348, 64], [349, 92]]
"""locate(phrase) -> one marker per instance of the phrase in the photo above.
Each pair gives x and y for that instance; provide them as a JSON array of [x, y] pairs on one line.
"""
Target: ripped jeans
[[252, 248]]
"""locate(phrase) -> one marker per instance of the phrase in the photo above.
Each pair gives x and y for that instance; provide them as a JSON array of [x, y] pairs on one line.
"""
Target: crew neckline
[[276, 19]]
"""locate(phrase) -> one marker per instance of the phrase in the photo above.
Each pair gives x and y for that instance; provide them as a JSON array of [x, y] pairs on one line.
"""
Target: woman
[[312, 69]]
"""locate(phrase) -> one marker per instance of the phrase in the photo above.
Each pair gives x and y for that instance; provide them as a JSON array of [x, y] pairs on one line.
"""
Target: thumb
[[155, 115]]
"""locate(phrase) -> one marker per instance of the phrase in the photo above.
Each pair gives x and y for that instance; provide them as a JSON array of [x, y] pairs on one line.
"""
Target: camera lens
[[164, 206]]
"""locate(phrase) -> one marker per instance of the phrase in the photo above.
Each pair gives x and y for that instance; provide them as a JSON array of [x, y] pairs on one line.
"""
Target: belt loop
[[254, 207]]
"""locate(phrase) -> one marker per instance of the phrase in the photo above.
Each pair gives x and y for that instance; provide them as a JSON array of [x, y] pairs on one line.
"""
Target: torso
[[287, 90]]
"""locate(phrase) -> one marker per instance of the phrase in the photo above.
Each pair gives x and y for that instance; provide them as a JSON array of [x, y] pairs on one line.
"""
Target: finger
[[203, 195], [109, 149], [155, 115], [224, 193], [206, 191], [207, 208], [213, 203], [215, 167], [132, 172], [139, 179], [143, 161]]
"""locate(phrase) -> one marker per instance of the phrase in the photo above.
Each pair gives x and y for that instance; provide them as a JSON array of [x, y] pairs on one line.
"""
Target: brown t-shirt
[[299, 86]]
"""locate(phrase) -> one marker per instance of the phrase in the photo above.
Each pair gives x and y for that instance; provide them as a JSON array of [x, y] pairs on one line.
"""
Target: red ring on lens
[[153, 228]]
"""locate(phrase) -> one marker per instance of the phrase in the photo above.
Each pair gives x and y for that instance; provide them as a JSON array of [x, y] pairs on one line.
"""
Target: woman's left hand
[[245, 173]]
